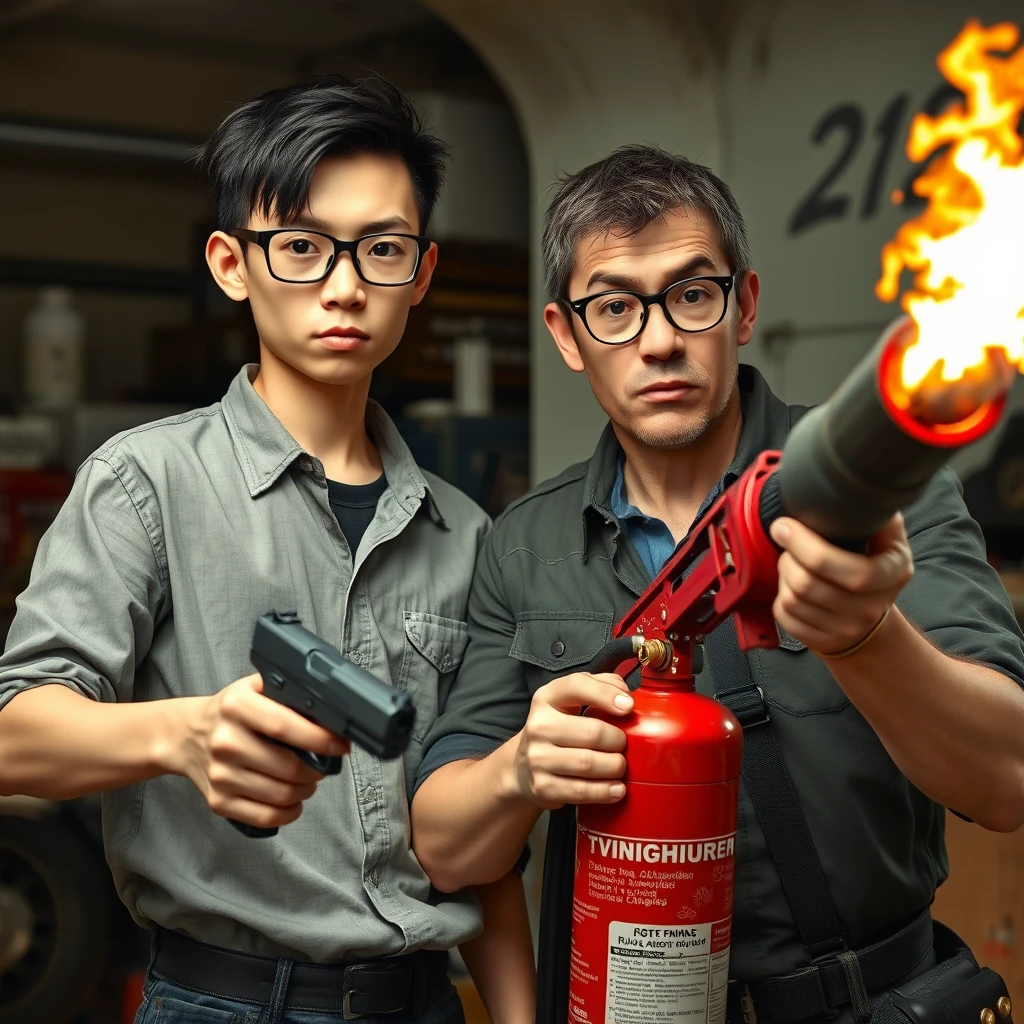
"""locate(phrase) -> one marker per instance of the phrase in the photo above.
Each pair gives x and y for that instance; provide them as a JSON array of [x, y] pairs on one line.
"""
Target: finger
[[611, 678], [265, 716], [848, 569], [807, 588], [569, 693], [828, 633], [576, 762], [235, 744], [251, 812], [554, 791], [576, 731], [236, 781]]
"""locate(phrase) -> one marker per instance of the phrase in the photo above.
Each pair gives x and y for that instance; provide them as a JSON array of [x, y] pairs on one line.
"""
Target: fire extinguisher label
[[654, 917], [667, 974]]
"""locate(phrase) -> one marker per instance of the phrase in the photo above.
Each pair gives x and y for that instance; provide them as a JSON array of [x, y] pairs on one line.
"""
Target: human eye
[[298, 245], [615, 307], [387, 248]]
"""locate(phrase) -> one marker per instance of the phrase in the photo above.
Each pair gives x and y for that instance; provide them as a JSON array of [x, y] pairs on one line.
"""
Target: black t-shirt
[[354, 506]]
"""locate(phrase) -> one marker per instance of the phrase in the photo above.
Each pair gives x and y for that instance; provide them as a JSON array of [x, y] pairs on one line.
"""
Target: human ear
[[224, 258], [557, 322], [746, 299], [424, 274]]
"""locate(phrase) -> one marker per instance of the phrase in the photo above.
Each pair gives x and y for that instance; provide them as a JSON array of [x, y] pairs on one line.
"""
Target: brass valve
[[654, 654]]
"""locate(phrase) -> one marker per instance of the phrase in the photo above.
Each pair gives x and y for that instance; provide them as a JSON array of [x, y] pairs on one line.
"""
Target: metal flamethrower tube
[[850, 464]]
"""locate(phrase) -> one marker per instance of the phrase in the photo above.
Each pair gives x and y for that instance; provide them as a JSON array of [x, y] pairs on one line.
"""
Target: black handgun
[[308, 675]]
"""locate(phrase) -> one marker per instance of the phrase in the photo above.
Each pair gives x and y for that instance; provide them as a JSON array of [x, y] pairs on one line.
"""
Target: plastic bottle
[[54, 337]]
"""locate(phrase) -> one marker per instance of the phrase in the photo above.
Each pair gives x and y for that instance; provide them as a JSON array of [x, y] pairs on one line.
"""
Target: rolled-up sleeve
[[955, 597], [88, 614], [489, 698]]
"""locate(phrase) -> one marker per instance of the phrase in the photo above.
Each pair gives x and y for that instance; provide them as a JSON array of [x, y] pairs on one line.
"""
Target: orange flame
[[966, 249]]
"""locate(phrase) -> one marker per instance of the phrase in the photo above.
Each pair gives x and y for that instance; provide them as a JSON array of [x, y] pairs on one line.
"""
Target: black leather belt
[[354, 990], [823, 987]]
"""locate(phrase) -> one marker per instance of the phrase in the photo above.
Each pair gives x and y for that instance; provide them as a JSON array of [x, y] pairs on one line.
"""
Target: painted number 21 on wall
[[828, 200]]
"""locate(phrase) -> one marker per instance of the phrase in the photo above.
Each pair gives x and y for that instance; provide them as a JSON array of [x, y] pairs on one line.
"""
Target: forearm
[[56, 744], [955, 729], [500, 959], [470, 821]]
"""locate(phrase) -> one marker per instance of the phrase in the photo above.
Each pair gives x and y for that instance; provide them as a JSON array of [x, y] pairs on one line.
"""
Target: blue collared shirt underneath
[[650, 537]]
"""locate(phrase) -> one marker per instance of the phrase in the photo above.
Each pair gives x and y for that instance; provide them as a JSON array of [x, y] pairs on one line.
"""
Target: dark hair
[[626, 191], [263, 155]]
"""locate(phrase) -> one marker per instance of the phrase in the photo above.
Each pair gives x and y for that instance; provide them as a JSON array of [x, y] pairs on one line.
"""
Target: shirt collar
[[265, 450], [765, 426]]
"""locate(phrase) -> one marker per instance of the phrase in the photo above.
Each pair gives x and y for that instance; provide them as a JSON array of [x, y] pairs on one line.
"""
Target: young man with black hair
[[898, 690], [295, 492]]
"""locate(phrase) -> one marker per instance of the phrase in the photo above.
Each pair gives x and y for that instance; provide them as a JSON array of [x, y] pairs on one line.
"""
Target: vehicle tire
[[60, 888]]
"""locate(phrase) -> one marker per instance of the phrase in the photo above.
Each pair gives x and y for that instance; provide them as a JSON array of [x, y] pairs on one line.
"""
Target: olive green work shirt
[[175, 537], [558, 571]]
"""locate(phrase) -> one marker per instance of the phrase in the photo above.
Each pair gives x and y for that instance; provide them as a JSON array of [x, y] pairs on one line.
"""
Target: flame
[[966, 249]]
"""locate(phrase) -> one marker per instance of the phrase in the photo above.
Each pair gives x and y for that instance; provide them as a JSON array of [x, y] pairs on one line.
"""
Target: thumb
[[612, 678], [612, 695], [893, 534], [252, 682]]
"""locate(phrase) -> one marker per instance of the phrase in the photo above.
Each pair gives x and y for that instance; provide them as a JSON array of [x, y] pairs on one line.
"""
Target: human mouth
[[342, 339], [667, 391]]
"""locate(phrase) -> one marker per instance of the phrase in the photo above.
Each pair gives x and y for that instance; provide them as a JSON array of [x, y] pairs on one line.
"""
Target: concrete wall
[[743, 90]]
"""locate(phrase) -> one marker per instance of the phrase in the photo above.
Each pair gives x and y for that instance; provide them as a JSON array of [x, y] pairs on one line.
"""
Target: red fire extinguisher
[[653, 884], [636, 921]]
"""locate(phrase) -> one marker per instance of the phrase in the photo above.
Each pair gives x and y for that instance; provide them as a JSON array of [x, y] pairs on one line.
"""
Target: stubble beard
[[685, 435]]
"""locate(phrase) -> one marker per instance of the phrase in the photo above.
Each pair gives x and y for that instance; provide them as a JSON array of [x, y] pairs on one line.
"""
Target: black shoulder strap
[[775, 798]]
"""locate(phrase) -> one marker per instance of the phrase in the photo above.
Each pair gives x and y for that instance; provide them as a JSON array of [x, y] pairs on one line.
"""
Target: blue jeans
[[164, 1003]]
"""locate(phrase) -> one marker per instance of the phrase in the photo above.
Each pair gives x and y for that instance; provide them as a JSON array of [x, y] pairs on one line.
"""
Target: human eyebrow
[[310, 223], [699, 263], [389, 224]]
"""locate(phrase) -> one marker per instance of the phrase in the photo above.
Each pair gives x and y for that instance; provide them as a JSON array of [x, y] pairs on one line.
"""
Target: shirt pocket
[[554, 643], [434, 648]]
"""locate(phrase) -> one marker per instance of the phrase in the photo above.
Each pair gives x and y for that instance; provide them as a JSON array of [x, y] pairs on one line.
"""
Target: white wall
[[485, 197], [742, 92]]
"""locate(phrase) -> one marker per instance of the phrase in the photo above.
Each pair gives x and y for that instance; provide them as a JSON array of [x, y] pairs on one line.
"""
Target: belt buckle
[[346, 1007], [347, 1012]]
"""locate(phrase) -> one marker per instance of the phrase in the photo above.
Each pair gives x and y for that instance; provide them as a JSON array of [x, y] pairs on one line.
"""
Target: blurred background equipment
[[803, 107]]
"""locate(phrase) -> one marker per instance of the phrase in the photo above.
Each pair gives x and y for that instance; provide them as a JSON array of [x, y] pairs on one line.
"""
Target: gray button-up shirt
[[175, 537]]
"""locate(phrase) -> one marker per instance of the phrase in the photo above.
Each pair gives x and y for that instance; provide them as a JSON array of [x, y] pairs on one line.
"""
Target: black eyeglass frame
[[579, 306], [262, 239]]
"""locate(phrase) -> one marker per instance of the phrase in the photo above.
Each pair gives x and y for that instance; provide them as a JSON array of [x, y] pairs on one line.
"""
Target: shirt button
[[558, 648], [373, 877]]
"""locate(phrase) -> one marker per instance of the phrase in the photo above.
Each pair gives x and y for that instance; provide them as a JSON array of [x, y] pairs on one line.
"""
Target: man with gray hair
[[896, 691]]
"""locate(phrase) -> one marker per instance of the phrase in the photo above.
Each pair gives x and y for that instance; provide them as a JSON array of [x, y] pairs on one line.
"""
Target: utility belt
[[371, 988], [892, 981]]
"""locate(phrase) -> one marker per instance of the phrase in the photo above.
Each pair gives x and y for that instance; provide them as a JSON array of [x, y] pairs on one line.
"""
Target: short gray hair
[[626, 191]]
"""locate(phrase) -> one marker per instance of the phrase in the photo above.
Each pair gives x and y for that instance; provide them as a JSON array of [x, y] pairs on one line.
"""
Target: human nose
[[659, 339], [342, 286]]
